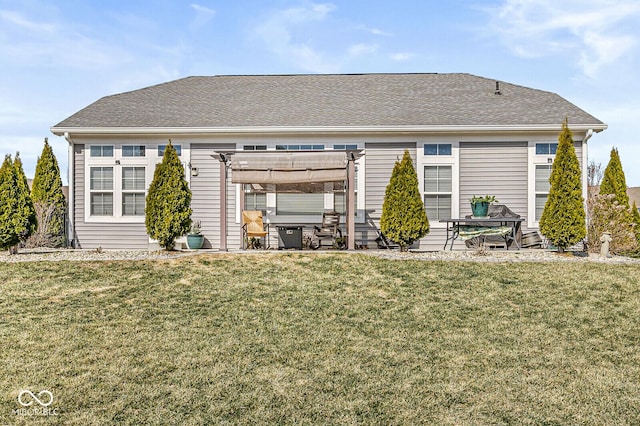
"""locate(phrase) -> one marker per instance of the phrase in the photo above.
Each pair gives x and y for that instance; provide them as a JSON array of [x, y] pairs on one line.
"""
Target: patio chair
[[329, 229], [253, 227], [382, 242]]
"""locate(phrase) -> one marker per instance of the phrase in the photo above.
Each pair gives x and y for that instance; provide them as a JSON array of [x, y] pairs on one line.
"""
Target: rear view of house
[[468, 136]]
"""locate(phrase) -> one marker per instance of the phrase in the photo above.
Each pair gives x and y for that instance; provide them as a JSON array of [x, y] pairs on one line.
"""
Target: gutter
[[321, 129], [72, 184]]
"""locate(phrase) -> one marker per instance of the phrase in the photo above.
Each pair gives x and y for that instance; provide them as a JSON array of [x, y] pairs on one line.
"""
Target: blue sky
[[59, 56]]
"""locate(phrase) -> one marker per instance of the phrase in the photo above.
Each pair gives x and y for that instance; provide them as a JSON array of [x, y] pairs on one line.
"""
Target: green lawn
[[320, 338]]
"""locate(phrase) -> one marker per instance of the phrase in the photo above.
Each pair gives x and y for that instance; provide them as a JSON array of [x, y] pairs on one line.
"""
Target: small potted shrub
[[480, 205], [195, 239]]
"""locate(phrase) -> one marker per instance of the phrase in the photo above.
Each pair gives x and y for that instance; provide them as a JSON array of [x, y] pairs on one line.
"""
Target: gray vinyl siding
[[578, 148], [205, 188], [494, 168], [105, 235]]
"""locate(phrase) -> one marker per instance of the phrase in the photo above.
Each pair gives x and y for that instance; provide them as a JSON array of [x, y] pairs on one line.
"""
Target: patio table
[[470, 227]]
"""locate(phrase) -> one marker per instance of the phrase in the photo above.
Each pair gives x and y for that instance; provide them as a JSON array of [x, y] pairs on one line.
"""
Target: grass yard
[[320, 338]]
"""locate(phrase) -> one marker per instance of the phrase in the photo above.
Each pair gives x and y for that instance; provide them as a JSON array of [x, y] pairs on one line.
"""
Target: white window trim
[[149, 162], [535, 160], [452, 160], [271, 216]]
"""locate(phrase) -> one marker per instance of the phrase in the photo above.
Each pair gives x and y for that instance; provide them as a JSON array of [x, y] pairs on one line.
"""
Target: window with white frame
[[133, 151], [255, 197], [296, 147], [437, 149], [101, 151], [345, 146], [340, 195], [118, 176], [133, 191], [438, 189], [299, 204], [101, 191], [162, 148], [542, 187], [546, 148]]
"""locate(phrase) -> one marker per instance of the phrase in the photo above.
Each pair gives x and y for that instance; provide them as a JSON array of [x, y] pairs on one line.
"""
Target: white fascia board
[[59, 131]]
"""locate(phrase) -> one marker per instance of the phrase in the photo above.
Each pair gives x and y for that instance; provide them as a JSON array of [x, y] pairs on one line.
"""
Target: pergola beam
[[351, 156]]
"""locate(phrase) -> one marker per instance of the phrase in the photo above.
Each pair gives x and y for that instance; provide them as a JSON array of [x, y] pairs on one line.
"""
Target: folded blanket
[[468, 232]]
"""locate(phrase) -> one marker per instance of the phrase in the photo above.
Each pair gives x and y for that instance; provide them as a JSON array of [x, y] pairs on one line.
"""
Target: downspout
[[585, 177], [585, 164], [72, 183]]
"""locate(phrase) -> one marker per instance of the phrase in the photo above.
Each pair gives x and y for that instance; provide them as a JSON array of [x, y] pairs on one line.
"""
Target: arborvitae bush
[[168, 211], [563, 219], [614, 183], [47, 190], [404, 219], [25, 215], [8, 205], [636, 219], [613, 180]]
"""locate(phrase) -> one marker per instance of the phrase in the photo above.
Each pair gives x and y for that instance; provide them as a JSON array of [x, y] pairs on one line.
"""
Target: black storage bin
[[289, 237]]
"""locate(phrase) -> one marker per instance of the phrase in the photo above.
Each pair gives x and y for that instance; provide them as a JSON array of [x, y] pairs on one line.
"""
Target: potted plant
[[195, 239], [480, 205]]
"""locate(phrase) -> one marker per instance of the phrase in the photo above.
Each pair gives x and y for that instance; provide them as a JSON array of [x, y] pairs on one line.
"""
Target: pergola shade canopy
[[277, 167]]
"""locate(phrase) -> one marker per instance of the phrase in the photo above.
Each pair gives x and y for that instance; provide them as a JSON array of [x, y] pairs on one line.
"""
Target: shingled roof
[[347, 100]]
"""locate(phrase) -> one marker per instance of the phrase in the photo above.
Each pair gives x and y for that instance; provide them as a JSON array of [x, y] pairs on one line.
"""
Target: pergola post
[[223, 202], [351, 194]]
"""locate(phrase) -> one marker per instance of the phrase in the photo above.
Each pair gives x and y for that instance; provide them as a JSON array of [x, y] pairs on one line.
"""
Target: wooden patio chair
[[329, 229], [253, 227]]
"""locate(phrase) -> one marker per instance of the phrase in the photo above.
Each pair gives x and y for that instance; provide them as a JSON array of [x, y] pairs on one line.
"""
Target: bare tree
[[45, 213], [595, 172]]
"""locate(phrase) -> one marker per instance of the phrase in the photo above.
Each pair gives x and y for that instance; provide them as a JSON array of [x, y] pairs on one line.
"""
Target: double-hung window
[[340, 191], [543, 173], [438, 189], [133, 191], [255, 196], [101, 191], [542, 162], [437, 164], [117, 178]]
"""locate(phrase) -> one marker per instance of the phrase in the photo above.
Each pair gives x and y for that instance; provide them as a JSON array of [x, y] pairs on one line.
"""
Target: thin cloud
[[30, 42], [203, 16], [375, 31], [597, 31], [18, 20], [401, 56], [362, 49], [277, 34]]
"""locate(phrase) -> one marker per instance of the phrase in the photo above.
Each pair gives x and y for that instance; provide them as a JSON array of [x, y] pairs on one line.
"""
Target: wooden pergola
[[287, 167]]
